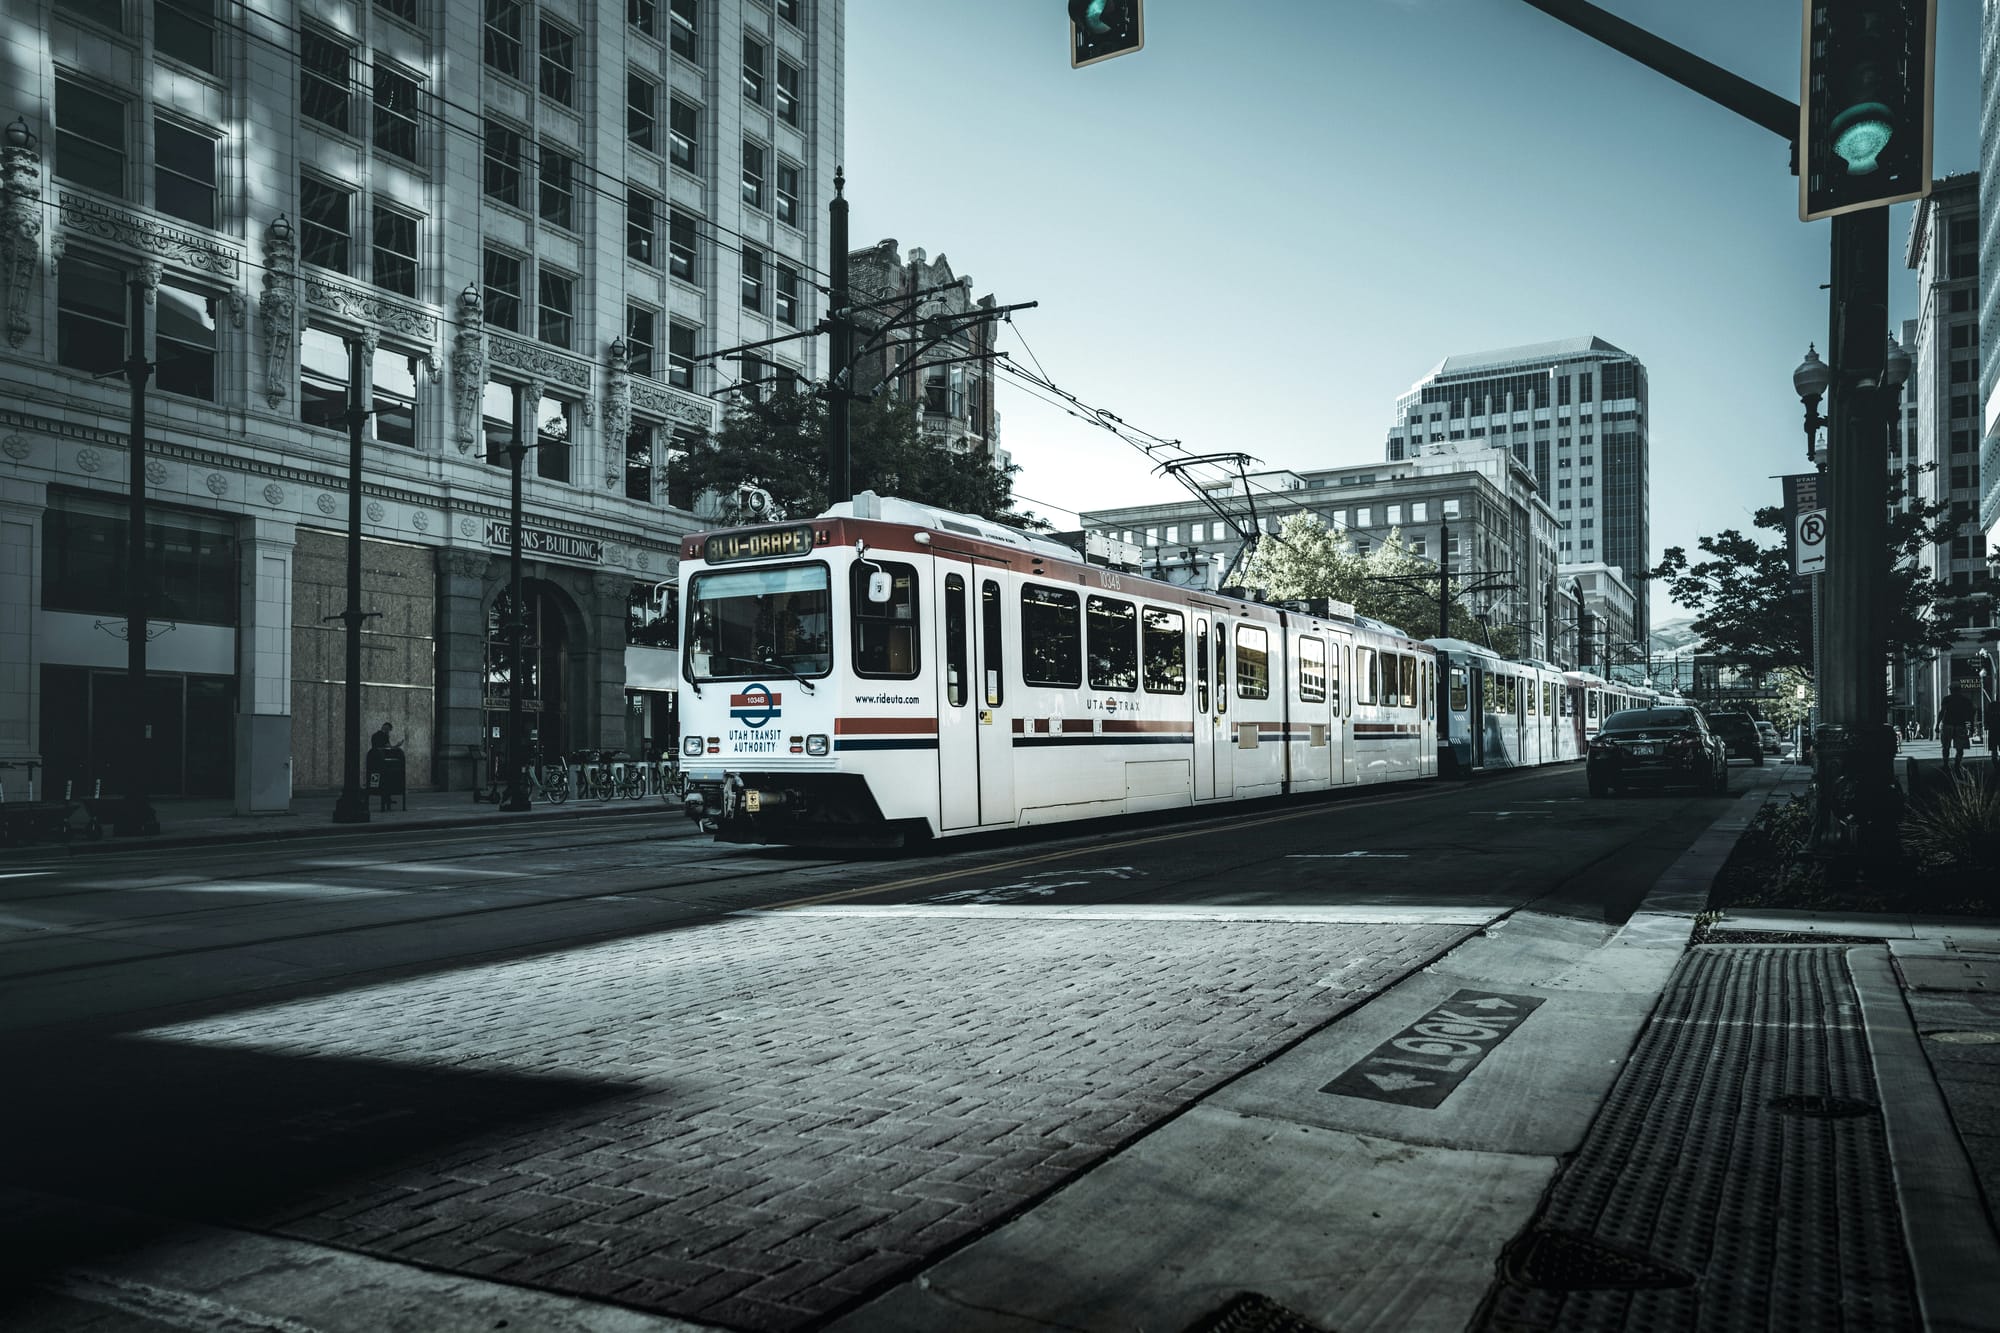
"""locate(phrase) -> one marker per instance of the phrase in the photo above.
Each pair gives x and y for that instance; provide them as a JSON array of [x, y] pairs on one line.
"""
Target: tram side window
[[1050, 651], [955, 665], [1312, 670], [1333, 679], [885, 633], [1253, 662], [1364, 675], [1111, 632], [1406, 667], [1221, 670], [990, 659], [1549, 698], [1201, 666], [1163, 640], [1590, 703]]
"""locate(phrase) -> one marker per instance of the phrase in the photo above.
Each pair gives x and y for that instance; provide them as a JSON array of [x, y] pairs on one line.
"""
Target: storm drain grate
[[1247, 1312], [1738, 1175]]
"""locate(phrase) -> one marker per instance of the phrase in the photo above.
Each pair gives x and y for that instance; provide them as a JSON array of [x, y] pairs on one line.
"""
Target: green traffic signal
[[1865, 104], [1860, 133], [1101, 29], [1089, 14]]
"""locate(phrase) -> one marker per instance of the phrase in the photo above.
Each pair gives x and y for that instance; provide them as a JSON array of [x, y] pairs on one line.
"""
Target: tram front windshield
[[743, 622]]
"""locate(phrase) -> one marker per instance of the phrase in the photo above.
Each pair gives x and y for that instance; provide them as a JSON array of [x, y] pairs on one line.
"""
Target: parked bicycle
[[548, 783]]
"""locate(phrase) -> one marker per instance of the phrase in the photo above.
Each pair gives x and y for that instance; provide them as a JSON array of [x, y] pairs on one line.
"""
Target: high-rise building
[[1574, 412], [1943, 249], [1988, 420], [486, 224]]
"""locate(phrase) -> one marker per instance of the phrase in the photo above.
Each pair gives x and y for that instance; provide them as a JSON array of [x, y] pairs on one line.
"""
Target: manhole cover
[[1964, 1038], [1558, 1260], [1822, 1108], [1247, 1312]]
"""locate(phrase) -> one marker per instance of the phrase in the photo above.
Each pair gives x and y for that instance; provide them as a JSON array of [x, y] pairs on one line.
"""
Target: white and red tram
[[888, 669]]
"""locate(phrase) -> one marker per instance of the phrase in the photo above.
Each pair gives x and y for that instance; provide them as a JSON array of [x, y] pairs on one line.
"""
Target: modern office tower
[[486, 223], [1943, 249], [1574, 413], [1989, 260]]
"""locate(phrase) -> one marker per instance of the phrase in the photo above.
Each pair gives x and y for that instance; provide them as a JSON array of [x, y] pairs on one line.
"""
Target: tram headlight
[[690, 745], [816, 745]]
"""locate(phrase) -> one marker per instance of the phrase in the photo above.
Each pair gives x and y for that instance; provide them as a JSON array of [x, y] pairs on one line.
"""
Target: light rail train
[[888, 670]]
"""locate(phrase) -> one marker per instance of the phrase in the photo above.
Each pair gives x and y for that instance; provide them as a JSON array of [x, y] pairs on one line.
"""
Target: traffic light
[[1101, 29], [1865, 104]]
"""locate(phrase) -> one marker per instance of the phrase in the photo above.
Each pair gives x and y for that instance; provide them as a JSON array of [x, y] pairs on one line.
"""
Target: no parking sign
[[1809, 542]]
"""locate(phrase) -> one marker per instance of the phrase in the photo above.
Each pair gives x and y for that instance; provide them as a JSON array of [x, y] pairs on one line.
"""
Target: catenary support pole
[[135, 815], [840, 353], [352, 807], [1444, 580]]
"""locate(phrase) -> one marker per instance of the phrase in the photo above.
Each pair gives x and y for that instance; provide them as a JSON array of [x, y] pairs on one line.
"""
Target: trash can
[[385, 778]]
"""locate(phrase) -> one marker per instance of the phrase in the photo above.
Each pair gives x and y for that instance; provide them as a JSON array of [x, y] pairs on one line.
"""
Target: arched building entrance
[[545, 672]]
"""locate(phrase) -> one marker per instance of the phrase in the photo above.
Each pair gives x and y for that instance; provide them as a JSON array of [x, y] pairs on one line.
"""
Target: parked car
[[1657, 747], [1739, 736], [1772, 743]]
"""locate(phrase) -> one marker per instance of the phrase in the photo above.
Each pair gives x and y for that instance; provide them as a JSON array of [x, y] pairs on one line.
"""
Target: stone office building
[[488, 224]]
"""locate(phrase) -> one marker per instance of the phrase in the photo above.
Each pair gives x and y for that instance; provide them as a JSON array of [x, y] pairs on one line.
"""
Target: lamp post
[[516, 798], [1809, 381], [352, 807], [135, 813]]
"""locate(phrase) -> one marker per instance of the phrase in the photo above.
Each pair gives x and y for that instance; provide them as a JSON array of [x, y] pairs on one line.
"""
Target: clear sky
[[1259, 230]]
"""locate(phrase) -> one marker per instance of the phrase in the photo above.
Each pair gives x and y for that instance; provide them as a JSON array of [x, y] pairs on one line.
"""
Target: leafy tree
[[780, 444], [1751, 611], [1391, 583]]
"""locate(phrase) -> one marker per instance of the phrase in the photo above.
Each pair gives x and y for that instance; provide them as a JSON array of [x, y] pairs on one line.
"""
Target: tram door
[[1203, 696], [975, 758], [1217, 732], [1476, 713]]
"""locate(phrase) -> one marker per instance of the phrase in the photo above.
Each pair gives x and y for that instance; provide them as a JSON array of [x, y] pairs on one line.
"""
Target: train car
[[889, 670], [1498, 713], [1594, 698]]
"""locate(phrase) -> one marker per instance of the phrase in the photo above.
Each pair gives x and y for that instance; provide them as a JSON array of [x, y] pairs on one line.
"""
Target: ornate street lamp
[[1810, 380]]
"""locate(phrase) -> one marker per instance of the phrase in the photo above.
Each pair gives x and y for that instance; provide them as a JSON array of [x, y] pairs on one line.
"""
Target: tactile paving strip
[[1738, 1176]]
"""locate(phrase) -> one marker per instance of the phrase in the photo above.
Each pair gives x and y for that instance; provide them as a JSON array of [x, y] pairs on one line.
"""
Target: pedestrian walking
[[1955, 718]]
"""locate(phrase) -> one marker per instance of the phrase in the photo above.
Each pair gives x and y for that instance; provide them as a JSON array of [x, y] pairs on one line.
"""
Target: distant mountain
[[1674, 637]]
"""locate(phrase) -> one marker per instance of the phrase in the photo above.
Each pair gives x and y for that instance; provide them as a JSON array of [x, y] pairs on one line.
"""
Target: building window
[[326, 73], [639, 464], [1451, 510], [185, 30], [684, 119], [555, 313], [685, 39], [1395, 518], [681, 246], [788, 10], [786, 295], [753, 278], [642, 114], [753, 174], [498, 406], [641, 214], [395, 397], [788, 194], [788, 105], [395, 113], [643, 15], [90, 138], [640, 336], [184, 173], [90, 315], [325, 224], [754, 56], [1420, 512], [405, 10], [558, 63], [192, 559], [680, 354], [552, 437], [395, 259], [503, 37], [323, 365], [503, 164], [503, 290], [558, 188]]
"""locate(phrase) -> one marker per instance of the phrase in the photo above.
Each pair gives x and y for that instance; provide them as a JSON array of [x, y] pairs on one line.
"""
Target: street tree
[[1754, 613], [780, 444]]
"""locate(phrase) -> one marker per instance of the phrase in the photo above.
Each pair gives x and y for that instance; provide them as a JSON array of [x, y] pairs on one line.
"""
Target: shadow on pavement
[[208, 1133]]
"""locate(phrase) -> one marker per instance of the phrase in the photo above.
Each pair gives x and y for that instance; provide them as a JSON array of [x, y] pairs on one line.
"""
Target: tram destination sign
[[758, 544], [542, 542]]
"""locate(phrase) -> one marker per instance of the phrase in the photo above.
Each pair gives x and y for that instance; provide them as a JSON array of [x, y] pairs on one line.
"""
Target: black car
[[1657, 746], [1739, 734]]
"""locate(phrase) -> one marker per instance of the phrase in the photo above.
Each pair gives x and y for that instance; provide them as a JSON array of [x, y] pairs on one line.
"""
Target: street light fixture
[[1810, 381]]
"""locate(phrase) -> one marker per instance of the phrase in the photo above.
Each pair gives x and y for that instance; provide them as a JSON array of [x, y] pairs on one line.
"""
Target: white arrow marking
[[1346, 856], [1493, 1003], [1398, 1082]]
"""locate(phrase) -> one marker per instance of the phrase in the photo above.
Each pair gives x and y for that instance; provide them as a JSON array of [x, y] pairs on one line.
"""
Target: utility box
[[385, 778]]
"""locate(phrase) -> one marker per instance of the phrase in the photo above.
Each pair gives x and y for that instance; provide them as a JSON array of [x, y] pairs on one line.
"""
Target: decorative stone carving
[[20, 224], [57, 244], [435, 364], [135, 231], [373, 309], [468, 366], [617, 414], [326, 504], [239, 306], [420, 521], [15, 447], [541, 361], [465, 564], [467, 527], [376, 513], [274, 494], [88, 459], [671, 404], [218, 485], [156, 472], [645, 561], [279, 308], [152, 271]]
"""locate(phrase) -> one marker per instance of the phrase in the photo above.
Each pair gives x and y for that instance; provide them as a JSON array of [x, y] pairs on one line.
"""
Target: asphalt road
[[744, 1086]]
